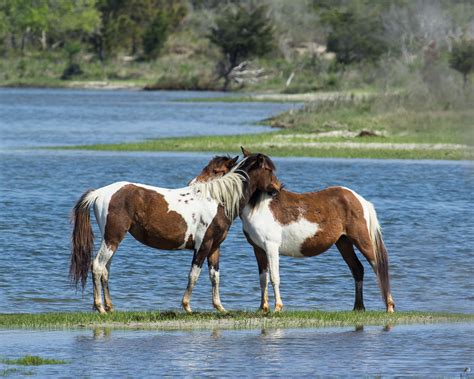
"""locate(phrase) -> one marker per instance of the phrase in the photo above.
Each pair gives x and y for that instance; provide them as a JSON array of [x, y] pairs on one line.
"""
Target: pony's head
[[217, 167], [261, 171]]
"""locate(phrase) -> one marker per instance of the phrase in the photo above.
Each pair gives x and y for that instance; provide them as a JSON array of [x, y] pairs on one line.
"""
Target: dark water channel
[[425, 209]]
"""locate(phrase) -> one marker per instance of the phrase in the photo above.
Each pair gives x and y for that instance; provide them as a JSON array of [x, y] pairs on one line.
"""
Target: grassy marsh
[[173, 320], [32, 360], [331, 127]]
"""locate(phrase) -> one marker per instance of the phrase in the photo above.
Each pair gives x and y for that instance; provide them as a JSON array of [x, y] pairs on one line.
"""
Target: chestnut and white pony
[[306, 225], [195, 218]]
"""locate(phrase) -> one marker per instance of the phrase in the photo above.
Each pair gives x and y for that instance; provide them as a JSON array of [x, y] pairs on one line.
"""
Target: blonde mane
[[227, 190]]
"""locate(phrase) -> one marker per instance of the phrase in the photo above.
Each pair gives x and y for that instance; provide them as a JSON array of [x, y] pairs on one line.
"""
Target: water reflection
[[102, 333], [438, 350]]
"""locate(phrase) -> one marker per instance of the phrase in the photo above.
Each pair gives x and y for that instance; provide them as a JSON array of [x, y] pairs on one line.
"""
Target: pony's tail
[[381, 257], [82, 240]]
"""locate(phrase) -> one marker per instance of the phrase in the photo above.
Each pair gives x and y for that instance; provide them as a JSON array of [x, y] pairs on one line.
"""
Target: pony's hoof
[[220, 308], [100, 309], [264, 308], [187, 308], [359, 308], [391, 308], [110, 309], [278, 307]]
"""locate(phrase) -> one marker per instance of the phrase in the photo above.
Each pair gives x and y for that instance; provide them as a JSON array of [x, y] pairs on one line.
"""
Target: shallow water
[[425, 208], [49, 117], [427, 350]]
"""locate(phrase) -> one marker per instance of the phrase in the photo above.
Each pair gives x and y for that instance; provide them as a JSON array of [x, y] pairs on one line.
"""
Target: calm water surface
[[425, 208], [49, 117], [427, 350]]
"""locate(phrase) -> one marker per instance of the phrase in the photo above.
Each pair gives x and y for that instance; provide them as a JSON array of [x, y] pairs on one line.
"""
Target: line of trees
[[354, 30], [136, 27]]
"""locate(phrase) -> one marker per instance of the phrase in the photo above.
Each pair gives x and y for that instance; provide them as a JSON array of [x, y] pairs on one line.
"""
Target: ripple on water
[[438, 350]]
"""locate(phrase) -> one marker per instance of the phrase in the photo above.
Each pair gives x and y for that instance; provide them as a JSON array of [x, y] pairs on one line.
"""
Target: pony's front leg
[[262, 262], [213, 264], [273, 256], [192, 279], [198, 260]]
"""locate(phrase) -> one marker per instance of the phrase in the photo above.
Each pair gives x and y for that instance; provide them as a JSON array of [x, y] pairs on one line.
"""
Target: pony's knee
[[214, 276], [96, 268], [275, 281]]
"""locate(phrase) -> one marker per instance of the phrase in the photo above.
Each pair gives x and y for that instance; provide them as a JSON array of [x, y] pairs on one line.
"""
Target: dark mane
[[221, 158], [249, 164], [252, 160]]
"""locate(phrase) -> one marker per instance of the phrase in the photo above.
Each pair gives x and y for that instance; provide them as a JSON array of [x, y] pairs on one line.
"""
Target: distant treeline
[[303, 33]]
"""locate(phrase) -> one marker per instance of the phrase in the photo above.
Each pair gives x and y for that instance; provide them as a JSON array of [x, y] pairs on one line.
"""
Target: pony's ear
[[231, 163], [245, 152], [262, 162]]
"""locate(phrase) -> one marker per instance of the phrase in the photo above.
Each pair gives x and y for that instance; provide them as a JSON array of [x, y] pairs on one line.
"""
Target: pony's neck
[[253, 197]]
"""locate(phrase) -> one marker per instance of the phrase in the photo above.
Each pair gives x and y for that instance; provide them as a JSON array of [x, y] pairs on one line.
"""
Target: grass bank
[[32, 360], [230, 320], [358, 126]]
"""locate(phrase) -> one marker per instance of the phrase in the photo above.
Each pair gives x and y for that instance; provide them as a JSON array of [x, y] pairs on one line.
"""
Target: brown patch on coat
[[145, 214], [336, 210]]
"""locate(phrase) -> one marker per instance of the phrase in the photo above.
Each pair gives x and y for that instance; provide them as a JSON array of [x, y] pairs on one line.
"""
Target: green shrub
[[462, 57], [155, 36], [241, 32]]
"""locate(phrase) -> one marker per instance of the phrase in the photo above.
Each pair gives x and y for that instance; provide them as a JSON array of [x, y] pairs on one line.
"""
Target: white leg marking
[[192, 279], [274, 264], [264, 290], [98, 270], [216, 300]]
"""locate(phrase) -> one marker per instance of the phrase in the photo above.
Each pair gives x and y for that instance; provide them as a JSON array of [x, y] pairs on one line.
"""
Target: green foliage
[[462, 57], [29, 22], [134, 25], [241, 32], [355, 37], [155, 36]]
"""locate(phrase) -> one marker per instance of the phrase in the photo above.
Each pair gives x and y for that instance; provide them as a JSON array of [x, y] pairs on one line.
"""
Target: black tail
[[82, 241]]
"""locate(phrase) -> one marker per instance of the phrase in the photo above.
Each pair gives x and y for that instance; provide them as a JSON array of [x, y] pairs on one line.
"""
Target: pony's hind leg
[[100, 276], [376, 255], [105, 287], [213, 264], [345, 247]]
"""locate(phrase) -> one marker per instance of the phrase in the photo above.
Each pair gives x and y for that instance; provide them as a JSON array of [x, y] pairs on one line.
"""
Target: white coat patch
[[261, 226]]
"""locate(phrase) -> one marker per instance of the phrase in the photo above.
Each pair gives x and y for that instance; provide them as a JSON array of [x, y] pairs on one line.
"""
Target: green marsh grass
[[32, 360], [174, 320], [329, 129]]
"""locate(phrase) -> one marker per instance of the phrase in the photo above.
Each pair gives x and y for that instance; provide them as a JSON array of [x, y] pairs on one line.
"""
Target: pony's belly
[[157, 239], [294, 236]]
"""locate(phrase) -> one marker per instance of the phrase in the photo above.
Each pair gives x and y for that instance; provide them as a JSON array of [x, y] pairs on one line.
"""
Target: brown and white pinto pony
[[306, 225], [195, 218]]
